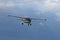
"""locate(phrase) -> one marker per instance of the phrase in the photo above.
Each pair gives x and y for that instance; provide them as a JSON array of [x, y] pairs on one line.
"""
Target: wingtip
[[9, 15], [45, 19]]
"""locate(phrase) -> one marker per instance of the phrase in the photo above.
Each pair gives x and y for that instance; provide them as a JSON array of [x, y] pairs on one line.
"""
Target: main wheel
[[30, 24], [22, 23]]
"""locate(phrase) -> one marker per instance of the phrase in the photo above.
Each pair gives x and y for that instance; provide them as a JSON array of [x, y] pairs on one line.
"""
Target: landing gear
[[22, 23], [29, 24]]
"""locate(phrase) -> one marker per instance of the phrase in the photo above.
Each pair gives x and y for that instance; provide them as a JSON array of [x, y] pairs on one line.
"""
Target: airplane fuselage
[[26, 20]]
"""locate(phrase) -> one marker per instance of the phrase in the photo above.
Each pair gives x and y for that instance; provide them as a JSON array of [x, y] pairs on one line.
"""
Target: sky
[[11, 28]]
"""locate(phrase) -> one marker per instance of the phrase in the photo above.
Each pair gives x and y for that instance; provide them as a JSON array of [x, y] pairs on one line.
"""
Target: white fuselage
[[26, 20]]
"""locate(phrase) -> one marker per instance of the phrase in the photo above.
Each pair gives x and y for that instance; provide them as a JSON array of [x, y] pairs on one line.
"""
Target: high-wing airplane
[[26, 19]]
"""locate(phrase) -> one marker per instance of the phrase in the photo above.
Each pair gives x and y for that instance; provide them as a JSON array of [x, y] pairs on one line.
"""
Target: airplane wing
[[26, 17], [16, 16], [38, 19]]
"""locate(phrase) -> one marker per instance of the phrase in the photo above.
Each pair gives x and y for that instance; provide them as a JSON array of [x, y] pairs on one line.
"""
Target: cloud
[[58, 16], [44, 4], [50, 4], [6, 4], [39, 6]]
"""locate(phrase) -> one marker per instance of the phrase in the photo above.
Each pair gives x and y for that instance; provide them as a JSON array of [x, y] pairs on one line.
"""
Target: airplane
[[26, 19]]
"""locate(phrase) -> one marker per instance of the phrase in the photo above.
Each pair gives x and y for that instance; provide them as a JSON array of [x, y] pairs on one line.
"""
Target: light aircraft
[[26, 19]]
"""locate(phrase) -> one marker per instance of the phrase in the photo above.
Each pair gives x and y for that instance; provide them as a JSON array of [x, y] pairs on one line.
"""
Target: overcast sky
[[11, 28]]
